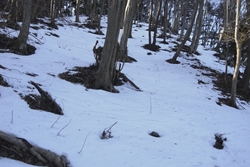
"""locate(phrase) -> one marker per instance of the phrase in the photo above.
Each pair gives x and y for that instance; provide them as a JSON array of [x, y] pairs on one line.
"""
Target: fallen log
[[46, 156]]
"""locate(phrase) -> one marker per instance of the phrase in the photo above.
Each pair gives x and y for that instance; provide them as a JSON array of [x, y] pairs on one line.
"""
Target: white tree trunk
[[238, 55]]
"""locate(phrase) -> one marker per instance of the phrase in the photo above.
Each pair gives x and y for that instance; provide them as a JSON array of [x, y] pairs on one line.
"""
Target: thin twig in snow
[[84, 142], [12, 117], [55, 122], [63, 128]]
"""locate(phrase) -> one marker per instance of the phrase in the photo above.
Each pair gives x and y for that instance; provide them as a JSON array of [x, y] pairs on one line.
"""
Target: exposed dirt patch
[[43, 101], [81, 75], [3, 82], [222, 83], [86, 77], [152, 47], [7, 43]]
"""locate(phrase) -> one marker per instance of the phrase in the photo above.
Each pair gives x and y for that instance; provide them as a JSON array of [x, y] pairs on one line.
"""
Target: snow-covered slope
[[172, 103]]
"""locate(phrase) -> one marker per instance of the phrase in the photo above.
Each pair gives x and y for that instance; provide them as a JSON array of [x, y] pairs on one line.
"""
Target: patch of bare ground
[[222, 83], [152, 47], [86, 77]]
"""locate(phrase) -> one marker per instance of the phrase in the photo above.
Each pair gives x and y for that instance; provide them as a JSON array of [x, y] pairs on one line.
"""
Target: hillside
[[173, 102]]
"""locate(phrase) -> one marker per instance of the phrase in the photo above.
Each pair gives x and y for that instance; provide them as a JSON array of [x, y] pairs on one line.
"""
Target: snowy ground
[[172, 103]]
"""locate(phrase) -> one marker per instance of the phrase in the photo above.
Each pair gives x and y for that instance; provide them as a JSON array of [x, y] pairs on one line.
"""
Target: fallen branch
[[44, 155], [128, 80]]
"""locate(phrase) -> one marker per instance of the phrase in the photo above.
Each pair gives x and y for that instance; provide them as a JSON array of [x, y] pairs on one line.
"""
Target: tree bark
[[183, 19], [35, 5], [165, 21], [150, 22], [77, 19], [127, 25], [100, 16], [197, 31], [238, 55], [20, 47], [176, 16], [156, 21], [246, 75], [106, 71], [13, 12]]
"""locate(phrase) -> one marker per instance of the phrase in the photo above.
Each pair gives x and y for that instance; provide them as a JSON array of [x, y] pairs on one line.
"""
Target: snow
[[172, 103]]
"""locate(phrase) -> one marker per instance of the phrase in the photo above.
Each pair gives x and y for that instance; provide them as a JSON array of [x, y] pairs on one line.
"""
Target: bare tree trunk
[[197, 30], [176, 16], [20, 47], [106, 71], [77, 11], [13, 12], [183, 19], [150, 23], [100, 17], [227, 46], [34, 10], [52, 13], [238, 55], [246, 75], [156, 21], [187, 35], [165, 21], [127, 26]]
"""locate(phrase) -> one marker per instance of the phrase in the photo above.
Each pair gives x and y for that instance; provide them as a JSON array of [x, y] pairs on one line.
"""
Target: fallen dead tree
[[45, 156]]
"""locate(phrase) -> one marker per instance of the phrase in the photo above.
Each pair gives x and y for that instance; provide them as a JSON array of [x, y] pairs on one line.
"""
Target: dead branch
[[43, 155], [131, 82]]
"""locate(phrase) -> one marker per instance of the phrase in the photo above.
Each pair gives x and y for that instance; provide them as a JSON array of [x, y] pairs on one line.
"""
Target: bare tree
[[238, 55], [197, 29], [165, 21], [127, 26], [12, 16], [183, 19], [187, 35], [20, 47], [246, 74], [77, 11], [104, 77], [176, 19]]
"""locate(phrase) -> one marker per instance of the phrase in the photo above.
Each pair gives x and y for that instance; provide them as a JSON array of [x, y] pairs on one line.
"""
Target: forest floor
[[78, 72]]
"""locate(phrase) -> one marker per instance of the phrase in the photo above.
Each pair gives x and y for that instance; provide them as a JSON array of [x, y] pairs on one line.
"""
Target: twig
[[63, 128], [111, 126], [12, 116], [55, 122], [150, 105], [84, 142], [106, 134]]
